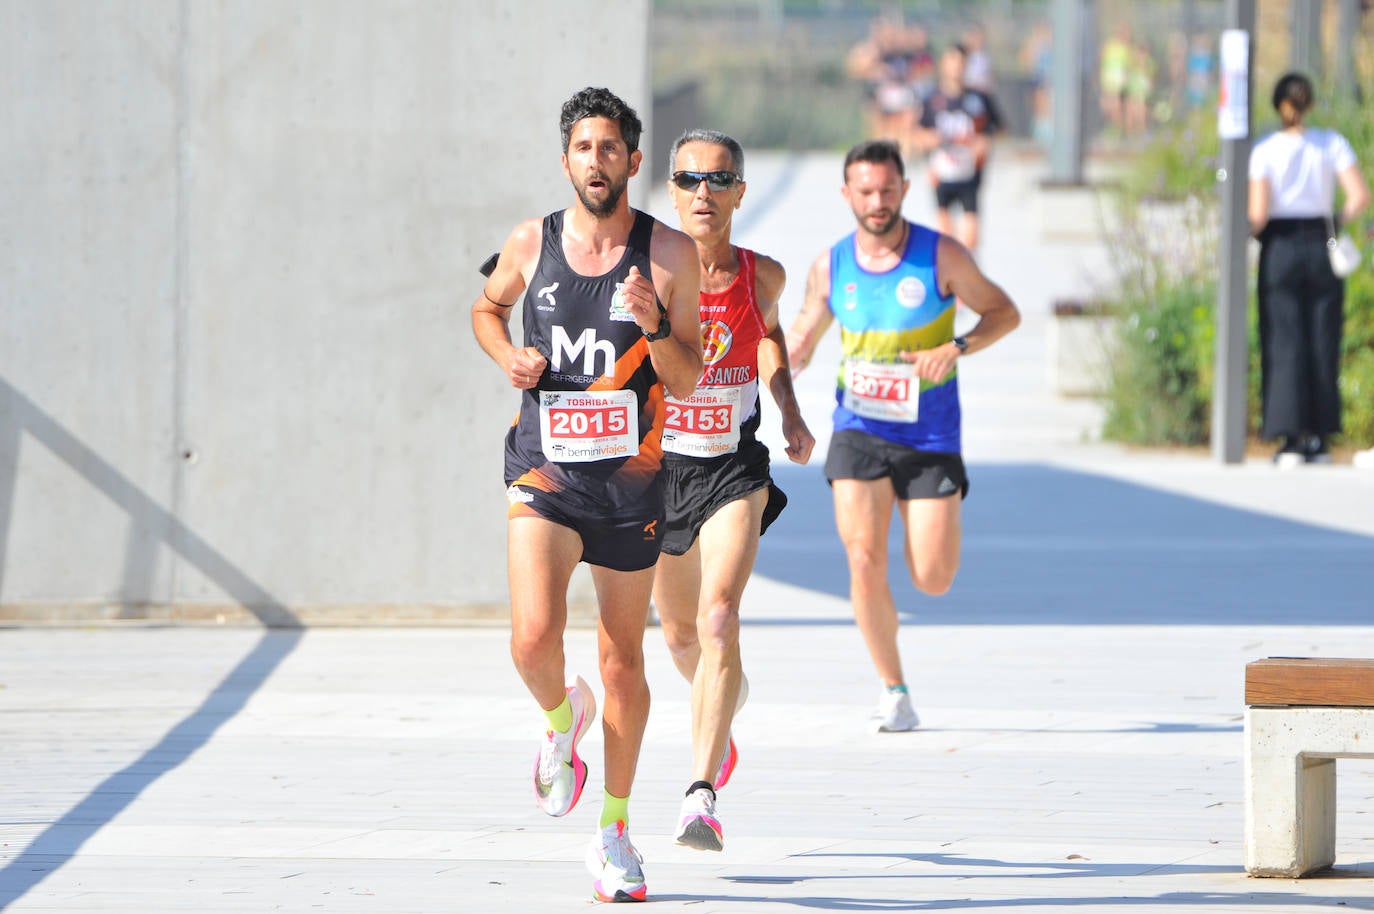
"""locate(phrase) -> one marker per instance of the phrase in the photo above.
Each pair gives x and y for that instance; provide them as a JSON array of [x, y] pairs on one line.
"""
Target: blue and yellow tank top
[[880, 315]]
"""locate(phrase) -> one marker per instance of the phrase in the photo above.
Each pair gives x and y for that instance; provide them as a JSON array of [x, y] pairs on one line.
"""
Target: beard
[[891, 223], [607, 205]]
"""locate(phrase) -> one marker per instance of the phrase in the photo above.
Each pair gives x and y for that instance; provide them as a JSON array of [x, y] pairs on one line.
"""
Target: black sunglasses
[[715, 180]]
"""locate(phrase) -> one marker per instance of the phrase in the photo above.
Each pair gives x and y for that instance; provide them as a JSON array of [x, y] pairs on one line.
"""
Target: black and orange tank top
[[594, 422]]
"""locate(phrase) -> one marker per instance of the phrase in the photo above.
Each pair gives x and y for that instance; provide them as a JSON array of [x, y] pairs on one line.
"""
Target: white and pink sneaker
[[698, 826], [559, 772]]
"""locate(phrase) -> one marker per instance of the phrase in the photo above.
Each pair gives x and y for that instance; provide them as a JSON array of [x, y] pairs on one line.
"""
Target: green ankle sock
[[900, 688], [560, 718], [614, 809]]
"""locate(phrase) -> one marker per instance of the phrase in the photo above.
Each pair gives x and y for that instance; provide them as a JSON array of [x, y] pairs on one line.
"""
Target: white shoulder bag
[[1345, 256]]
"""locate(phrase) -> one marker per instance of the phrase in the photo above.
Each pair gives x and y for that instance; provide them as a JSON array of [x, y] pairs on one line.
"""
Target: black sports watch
[[664, 328], [962, 343]]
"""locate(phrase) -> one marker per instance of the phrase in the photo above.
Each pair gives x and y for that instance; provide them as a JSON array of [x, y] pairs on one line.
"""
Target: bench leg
[[1317, 814], [1290, 800]]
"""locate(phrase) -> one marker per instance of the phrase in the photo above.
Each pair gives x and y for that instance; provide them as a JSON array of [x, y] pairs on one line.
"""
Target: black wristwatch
[[962, 343], [664, 328]]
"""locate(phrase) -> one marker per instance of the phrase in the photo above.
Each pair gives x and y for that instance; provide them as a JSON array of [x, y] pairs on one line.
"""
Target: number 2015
[[576, 423]]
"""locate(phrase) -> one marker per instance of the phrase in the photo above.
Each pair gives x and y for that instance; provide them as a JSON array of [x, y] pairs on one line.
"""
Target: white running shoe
[[730, 757], [698, 826], [616, 866], [559, 772], [895, 713], [728, 760]]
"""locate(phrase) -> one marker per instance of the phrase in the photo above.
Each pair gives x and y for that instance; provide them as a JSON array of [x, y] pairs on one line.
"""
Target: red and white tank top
[[725, 408]]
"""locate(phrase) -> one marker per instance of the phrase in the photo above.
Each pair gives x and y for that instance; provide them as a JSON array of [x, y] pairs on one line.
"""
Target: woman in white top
[[1293, 176]]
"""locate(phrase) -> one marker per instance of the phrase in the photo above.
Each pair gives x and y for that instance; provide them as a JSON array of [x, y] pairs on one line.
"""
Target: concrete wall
[[238, 247]]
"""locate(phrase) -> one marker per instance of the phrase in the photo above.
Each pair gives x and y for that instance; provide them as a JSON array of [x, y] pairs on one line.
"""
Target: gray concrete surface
[[238, 246], [1081, 691]]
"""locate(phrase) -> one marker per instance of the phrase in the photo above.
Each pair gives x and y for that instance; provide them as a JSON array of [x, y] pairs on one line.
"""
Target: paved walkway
[[1081, 690]]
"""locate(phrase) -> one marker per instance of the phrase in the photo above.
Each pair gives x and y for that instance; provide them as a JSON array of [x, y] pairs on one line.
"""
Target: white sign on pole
[[1233, 98]]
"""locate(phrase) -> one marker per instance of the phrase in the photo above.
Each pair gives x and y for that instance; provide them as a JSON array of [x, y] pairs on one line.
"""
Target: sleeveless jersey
[[881, 314], [591, 428], [724, 411], [956, 118]]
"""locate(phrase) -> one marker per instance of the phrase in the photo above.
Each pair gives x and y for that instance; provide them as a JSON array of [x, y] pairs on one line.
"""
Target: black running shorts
[[915, 474], [965, 193], [623, 542], [695, 488]]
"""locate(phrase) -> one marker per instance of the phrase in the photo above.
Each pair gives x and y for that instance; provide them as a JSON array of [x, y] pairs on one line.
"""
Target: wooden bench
[[1301, 715]]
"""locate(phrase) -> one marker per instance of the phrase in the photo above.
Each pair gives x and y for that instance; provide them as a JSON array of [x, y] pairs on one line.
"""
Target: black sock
[[697, 785]]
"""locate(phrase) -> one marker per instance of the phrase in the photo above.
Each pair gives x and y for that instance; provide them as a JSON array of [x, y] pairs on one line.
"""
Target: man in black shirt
[[611, 321], [956, 123]]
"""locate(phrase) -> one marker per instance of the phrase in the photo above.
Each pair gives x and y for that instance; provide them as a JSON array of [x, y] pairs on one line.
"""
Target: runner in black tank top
[[610, 313], [592, 344]]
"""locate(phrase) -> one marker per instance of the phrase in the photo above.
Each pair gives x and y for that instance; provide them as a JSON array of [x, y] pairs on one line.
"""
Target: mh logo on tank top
[[566, 351]]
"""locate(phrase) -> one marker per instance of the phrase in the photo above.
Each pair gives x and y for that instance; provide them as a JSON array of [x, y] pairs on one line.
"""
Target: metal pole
[[1305, 52], [1348, 29], [1232, 343], [1067, 82]]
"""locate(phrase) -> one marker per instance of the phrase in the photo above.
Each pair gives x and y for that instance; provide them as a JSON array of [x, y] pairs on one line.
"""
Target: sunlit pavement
[[1080, 689]]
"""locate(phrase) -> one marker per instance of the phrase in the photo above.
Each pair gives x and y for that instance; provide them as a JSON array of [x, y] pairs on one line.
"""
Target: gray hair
[[715, 138]]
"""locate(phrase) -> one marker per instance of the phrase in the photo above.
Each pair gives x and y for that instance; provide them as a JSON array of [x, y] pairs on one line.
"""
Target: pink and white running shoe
[[616, 866], [698, 826], [728, 760], [559, 772]]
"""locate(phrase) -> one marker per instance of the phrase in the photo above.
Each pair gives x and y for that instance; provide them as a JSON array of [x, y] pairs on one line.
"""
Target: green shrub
[[1181, 162], [1156, 392], [1357, 359]]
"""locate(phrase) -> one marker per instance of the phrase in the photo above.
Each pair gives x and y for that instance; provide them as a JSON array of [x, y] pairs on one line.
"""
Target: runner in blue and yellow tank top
[[882, 315], [892, 287]]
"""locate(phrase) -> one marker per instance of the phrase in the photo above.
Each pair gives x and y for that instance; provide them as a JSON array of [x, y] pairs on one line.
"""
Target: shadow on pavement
[[1244, 895], [1185, 901], [1045, 545], [154, 527]]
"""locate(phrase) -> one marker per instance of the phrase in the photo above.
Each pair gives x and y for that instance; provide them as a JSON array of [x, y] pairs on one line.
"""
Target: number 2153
[[698, 418]]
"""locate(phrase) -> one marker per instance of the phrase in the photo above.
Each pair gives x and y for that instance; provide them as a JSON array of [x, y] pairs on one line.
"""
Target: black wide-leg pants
[[1301, 316]]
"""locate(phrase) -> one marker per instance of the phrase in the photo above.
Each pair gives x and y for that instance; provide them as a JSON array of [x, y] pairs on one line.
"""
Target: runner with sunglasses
[[610, 306], [891, 284], [719, 496]]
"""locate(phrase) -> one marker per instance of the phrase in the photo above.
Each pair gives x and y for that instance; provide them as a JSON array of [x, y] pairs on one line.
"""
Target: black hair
[[1296, 89], [591, 102], [876, 152], [714, 137]]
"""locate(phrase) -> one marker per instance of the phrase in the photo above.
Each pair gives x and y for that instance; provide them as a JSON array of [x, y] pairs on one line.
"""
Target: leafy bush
[[1357, 358], [1157, 392]]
